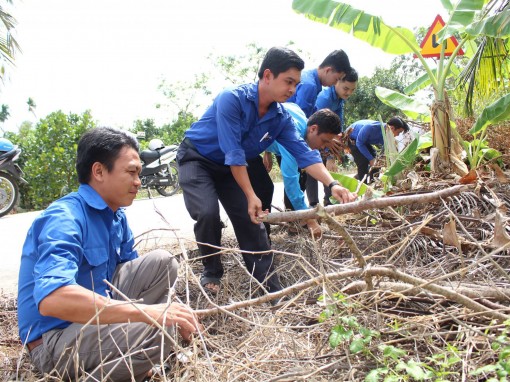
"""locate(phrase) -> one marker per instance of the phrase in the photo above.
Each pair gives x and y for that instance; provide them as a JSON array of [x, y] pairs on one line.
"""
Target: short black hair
[[350, 76], [399, 123], [103, 145], [327, 121], [338, 60], [279, 60]]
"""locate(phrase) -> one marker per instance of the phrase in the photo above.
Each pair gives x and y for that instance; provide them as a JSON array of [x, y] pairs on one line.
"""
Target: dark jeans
[[361, 161], [204, 184], [262, 185]]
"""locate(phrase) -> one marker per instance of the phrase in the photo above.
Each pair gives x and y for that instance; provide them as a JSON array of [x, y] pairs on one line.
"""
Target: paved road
[[148, 226]]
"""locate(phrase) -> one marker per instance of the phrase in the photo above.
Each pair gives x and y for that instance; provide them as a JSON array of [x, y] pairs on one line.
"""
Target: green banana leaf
[[421, 83], [405, 159], [424, 141], [497, 26], [462, 14], [350, 183], [366, 27], [496, 112], [411, 107]]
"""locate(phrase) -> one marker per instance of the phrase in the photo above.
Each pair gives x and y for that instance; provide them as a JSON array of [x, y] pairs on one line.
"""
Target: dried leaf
[[450, 236], [502, 178], [469, 178], [501, 236]]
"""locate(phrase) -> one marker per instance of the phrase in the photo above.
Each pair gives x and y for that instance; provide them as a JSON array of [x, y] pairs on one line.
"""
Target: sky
[[109, 56]]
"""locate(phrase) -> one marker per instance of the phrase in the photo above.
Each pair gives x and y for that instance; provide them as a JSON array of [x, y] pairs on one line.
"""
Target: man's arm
[[319, 172], [76, 304], [254, 204]]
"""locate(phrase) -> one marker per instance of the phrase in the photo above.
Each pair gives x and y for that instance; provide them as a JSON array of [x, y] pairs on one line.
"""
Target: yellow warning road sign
[[431, 48]]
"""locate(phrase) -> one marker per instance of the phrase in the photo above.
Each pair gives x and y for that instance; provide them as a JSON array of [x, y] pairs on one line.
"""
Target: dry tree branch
[[363, 205], [375, 271]]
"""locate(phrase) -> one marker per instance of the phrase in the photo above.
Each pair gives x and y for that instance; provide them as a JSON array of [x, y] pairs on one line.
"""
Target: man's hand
[[342, 194], [255, 210], [314, 228], [335, 146], [268, 161], [178, 315], [372, 162]]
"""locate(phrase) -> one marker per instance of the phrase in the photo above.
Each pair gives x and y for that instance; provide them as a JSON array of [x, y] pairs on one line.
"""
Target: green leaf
[[497, 26], [405, 159], [497, 111], [424, 141], [485, 369], [390, 351], [413, 369], [366, 27], [373, 375], [338, 335], [357, 346], [421, 83], [411, 107]]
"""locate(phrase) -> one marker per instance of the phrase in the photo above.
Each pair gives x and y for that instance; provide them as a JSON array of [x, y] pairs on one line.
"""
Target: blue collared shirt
[[328, 99], [77, 240], [230, 131], [289, 167], [307, 91], [367, 132]]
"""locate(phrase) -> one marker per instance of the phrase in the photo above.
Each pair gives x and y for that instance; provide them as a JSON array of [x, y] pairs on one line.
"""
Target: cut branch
[[363, 205]]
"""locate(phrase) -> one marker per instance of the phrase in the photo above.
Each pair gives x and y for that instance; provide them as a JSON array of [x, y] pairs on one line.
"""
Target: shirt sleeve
[[60, 251], [362, 142], [290, 174], [228, 117]]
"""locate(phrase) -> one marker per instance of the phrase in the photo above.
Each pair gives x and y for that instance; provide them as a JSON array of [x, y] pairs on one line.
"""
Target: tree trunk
[[445, 140]]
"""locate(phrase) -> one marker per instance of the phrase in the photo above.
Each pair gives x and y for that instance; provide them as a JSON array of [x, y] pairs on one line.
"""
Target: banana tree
[[468, 19], [8, 44]]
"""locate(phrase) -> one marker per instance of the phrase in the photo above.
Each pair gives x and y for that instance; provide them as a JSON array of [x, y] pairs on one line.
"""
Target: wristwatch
[[333, 183]]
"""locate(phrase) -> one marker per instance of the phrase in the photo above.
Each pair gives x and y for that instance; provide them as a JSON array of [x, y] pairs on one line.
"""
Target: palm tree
[[8, 44]]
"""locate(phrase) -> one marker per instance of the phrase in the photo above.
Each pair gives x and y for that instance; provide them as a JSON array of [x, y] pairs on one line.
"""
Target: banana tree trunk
[[445, 140]]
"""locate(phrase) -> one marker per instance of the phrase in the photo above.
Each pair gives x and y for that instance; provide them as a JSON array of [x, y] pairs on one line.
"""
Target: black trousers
[[204, 184], [361, 161], [303, 182], [262, 185]]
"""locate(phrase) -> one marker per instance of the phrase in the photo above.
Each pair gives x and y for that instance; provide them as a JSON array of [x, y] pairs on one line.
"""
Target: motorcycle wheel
[[173, 186], [9, 193]]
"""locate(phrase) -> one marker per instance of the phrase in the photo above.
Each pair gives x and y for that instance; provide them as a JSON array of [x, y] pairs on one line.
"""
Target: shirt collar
[[91, 197]]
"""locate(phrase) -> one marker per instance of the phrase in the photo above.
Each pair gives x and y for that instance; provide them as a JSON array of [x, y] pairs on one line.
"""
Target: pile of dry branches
[[409, 289]]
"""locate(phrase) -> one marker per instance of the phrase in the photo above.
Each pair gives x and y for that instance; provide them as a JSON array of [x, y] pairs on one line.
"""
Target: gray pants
[[115, 352]]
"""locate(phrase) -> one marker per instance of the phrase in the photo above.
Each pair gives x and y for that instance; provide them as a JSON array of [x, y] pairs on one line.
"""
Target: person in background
[[363, 135], [70, 319], [318, 131], [240, 124], [330, 71], [334, 98]]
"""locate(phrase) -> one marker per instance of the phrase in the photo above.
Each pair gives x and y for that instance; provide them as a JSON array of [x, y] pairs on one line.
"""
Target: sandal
[[210, 284]]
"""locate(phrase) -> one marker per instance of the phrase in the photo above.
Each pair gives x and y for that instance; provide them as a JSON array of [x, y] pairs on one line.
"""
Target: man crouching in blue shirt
[[78, 242], [241, 123]]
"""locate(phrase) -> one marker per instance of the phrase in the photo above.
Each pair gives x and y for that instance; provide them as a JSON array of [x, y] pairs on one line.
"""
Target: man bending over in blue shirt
[[241, 123], [318, 131], [76, 244]]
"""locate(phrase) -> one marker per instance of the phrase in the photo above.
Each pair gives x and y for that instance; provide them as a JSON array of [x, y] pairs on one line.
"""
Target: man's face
[[120, 186], [344, 89], [318, 141], [396, 130], [284, 86], [331, 77]]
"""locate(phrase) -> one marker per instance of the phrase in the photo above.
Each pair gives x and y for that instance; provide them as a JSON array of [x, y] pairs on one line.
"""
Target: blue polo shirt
[[77, 240], [230, 131], [307, 91], [289, 167], [367, 132], [328, 99]]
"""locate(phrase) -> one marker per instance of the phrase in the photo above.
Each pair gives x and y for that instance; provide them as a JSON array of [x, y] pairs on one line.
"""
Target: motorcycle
[[10, 176], [159, 169]]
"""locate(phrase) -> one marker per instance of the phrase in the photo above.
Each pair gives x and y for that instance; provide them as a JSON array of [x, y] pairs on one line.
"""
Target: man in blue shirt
[[334, 98], [71, 321], [333, 68], [364, 135], [240, 124], [318, 131]]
